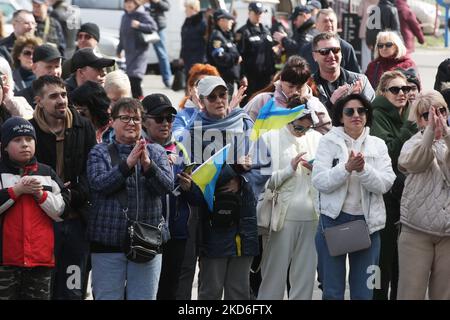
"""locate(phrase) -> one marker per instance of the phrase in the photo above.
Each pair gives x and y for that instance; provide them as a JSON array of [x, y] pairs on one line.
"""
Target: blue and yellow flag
[[205, 176], [272, 117]]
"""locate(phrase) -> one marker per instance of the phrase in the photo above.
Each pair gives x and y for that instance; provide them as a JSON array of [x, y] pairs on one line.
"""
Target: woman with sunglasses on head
[[390, 54], [351, 172], [290, 252], [424, 241], [159, 115], [22, 55], [391, 110]]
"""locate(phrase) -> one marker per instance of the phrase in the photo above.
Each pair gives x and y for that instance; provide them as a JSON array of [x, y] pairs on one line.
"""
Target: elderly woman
[[22, 55], [292, 247], [113, 275], [390, 54], [391, 110], [117, 85], [227, 246], [424, 242], [351, 172]]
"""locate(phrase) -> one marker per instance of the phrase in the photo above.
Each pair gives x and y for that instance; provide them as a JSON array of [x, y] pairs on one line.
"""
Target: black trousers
[[172, 258], [388, 262], [71, 256], [136, 87]]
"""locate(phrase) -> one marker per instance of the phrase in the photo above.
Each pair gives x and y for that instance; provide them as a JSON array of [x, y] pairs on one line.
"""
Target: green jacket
[[393, 128]]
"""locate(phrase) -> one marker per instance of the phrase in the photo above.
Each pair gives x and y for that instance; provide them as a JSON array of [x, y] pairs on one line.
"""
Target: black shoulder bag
[[142, 241]]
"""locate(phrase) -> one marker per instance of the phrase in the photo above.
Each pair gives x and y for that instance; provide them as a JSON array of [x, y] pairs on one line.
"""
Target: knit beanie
[[16, 127], [92, 29]]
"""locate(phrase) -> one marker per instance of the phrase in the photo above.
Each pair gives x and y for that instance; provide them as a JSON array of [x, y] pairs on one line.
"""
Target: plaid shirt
[[107, 221]]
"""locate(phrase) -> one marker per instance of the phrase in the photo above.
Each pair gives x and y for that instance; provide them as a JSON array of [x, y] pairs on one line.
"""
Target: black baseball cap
[[46, 52], [156, 103], [298, 10], [256, 7], [221, 13], [87, 57]]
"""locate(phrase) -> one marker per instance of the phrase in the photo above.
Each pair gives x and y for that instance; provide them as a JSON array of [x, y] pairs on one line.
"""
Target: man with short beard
[[64, 139]]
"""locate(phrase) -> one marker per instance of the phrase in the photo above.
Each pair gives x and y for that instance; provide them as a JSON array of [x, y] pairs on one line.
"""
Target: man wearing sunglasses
[[88, 36], [333, 81], [326, 21]]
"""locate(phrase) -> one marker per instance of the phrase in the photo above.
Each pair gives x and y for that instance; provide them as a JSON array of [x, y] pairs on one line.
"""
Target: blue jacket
[[107, 221], [221, 242]]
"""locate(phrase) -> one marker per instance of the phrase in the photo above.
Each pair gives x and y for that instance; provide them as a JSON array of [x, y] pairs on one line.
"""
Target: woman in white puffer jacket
[[351, 172], [424, 243]]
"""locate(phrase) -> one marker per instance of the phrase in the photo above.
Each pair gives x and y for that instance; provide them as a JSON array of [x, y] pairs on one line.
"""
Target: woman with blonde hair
[[391, 124], [424, 242], [390, 54]]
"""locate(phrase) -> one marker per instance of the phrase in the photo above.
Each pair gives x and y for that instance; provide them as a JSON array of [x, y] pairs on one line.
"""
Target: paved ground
[[427, 61]]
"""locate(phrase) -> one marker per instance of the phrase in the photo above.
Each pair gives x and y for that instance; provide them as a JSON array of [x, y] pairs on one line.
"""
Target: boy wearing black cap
[[46, 61], [30, 200], [222, 51], [255, 43], [88, 65]]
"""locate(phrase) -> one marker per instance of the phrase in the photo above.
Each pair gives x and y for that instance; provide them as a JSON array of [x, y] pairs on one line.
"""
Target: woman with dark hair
[[22, 56], [351, 172], [294, 78], [91, 101]]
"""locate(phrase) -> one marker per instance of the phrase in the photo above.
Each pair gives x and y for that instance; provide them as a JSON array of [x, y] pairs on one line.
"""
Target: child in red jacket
[[30, 200]]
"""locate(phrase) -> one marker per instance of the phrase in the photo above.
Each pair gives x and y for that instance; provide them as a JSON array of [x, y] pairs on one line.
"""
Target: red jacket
[[409, 26], [26, 225], [377, 67]]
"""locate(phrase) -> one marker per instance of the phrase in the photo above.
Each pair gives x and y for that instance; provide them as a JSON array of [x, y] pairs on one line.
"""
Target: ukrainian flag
[[205, 176], [272, 117]]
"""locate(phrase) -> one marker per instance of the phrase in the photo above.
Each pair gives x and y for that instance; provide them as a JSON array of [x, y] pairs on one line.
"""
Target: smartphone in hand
[[189, 168]]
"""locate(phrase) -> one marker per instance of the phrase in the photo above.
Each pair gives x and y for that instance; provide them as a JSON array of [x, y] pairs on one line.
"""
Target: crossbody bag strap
[[122, 195]]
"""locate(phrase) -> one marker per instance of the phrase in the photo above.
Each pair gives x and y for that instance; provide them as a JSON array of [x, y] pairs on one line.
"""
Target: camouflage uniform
[[19, 283]]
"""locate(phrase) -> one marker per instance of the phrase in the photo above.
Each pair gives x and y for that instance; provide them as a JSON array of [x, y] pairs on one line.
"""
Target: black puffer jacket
[[157, 12]]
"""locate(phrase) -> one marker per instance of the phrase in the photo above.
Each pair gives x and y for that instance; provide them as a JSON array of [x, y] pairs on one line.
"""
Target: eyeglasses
[[127, 119], [349, 112], [396, 90], [442, 111], [27, 53], [326, 51], [301, 129], [84, 36], [213, 97], [160, 119], [387, 45]]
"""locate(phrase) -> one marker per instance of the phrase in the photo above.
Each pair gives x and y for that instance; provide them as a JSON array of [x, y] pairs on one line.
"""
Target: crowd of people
[[88, 161]]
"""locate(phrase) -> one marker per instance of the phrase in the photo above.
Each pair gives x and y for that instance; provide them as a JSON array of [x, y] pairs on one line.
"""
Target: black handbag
[[142, 241]]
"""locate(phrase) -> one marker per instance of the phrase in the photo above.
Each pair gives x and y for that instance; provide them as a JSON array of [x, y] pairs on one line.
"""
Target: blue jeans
[[332, 270], [163, 57], [113, 276]]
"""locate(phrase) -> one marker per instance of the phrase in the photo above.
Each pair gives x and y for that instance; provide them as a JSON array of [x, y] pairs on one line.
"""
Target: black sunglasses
[[396, 90], [27, 53], [442, 111], [160, 119], [301, 129], [387, 45], [350, 111], [326, 51], [213, 97]]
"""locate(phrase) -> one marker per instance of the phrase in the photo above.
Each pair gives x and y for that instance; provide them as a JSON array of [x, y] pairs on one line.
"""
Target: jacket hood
[[383, 105], [340, 134]]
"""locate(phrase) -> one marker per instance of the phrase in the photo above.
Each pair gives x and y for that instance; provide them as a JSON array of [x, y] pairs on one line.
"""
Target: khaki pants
[[424, 263]]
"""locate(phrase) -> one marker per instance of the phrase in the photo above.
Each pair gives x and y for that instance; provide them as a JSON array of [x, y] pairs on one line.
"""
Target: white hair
[[118, 80], [5, 69], [193, 4], [395, 39]]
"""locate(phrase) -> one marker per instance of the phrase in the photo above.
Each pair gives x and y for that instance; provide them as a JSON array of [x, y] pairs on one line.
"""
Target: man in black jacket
[[304, 31], [255, 44], [157, 9], [326, 21], [64, 140], [383, 17]]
